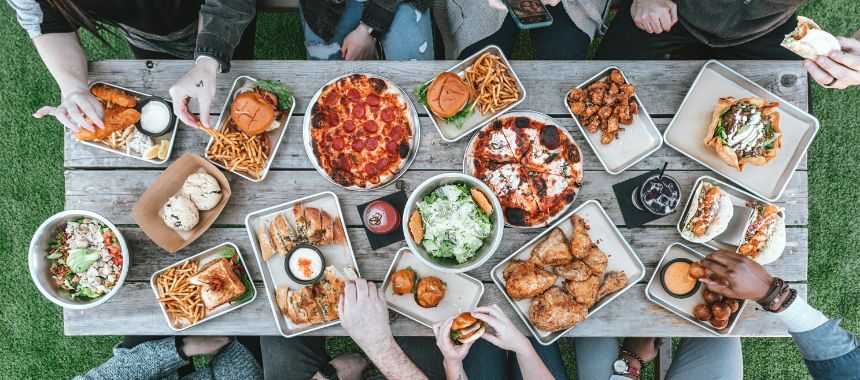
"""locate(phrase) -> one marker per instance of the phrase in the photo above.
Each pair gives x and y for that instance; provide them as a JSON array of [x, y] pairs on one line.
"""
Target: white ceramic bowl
[[40, 265], [491, 243]]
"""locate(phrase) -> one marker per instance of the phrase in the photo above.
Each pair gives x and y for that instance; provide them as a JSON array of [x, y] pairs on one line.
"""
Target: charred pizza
[[532, 165], [361, 131]]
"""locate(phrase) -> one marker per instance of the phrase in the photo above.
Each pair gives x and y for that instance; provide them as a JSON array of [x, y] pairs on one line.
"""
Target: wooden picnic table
[[110, 185]]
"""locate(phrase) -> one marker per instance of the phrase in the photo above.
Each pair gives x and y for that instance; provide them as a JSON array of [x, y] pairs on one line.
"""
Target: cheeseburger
[[448, 97], [258, 110], [466, 329]]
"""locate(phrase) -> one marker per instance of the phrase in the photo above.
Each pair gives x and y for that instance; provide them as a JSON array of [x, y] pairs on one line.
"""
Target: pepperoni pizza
[[531, 163], [361, 133]]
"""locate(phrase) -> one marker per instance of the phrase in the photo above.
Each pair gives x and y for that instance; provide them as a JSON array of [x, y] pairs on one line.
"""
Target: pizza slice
[[554, 193], [491, 145], [515, 194], [514, 130], [552, 151]]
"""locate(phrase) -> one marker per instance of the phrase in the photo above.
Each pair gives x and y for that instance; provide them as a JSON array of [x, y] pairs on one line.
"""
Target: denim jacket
[[322, 16], [830, 352]]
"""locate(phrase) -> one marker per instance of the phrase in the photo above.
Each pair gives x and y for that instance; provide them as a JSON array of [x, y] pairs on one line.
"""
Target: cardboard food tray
[[276, 136], [683, 307], [273, 271], [603, 232], [204, 258], [146, 211], [171, 136], [413, 119], [450, 132], [469, 165], [638, 140], [688, 128], [462, 292], [739, 198]]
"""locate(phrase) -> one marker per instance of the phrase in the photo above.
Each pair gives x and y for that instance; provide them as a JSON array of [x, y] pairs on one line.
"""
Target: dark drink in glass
[[659, 195]]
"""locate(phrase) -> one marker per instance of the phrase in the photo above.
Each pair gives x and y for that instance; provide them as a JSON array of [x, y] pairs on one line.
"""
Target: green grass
[[31, 189]]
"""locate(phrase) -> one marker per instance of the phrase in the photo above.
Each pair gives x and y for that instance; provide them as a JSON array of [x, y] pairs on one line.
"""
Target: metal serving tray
[[462, 292], [621, 257], [276, 136], [638, 140], [687, 130], [739, 198], [683, 307], [202, 259], [450, 132], [171, 137], [413, 119], [273, 272], [469, 165]]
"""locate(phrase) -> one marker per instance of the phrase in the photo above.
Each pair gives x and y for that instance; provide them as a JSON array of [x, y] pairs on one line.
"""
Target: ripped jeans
[[410, 36]]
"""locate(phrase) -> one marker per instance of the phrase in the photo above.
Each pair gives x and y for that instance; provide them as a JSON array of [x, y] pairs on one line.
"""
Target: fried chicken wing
[[113, 96], [580, 241], [612, 282], [552, 250], [584, 292], [575, 270], [555, 310], [596, 260], [527, 281]]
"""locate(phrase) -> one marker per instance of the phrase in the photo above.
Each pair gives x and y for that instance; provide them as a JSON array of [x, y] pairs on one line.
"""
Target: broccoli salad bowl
[[78, 259], [453, 222]]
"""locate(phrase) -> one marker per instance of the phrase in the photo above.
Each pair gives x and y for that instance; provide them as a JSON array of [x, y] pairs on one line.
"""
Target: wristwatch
[[622, 367], [328, 372]]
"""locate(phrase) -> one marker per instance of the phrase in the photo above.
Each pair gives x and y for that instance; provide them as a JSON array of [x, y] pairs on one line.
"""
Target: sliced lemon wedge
[[162, 149], [151, 153]]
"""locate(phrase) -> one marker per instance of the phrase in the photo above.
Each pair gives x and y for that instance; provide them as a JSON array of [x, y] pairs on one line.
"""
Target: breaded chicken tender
[[113, 96]]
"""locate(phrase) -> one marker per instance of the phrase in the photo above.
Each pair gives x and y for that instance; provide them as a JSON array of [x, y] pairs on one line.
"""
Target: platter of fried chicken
[[613, 120], [568, 272], [306, 238]]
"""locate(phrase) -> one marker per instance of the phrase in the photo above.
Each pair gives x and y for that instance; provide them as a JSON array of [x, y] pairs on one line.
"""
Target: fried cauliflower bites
[[603, 105]]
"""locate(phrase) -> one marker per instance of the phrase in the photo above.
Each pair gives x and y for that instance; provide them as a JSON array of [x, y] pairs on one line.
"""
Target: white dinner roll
[[180, 213], [203, 189]]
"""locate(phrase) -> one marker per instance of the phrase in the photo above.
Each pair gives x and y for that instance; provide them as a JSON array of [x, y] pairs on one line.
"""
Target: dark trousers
[[624, 40], [252, 343], [560, 41], [486, 361], [243, 51]]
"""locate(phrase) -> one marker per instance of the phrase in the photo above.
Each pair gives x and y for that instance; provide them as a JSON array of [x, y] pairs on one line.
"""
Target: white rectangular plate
[[638, 140], [687, 130], [603, 232], [462, 292], [683, 307], [274, 273]]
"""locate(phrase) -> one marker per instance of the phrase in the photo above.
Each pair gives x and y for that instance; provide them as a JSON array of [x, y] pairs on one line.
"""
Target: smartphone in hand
[[529, 14]]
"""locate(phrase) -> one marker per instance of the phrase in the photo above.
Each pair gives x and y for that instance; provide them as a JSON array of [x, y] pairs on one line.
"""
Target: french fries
[[491, 82], [180, 297], [237, 151], [117, 139]]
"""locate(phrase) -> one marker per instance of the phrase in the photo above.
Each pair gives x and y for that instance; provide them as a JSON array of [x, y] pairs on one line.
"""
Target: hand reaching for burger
[[736, 276], [505, 335], [198, 83], [839, 69], [363, 314], [452, 353]]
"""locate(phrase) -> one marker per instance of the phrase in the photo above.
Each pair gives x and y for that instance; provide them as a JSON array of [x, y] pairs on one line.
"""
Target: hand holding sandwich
[[840, 68], [453, 354]]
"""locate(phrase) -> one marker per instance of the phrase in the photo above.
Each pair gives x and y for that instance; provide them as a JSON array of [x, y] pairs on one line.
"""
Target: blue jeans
[[830, 352], [696, 358], [410, 36], [486, 361]]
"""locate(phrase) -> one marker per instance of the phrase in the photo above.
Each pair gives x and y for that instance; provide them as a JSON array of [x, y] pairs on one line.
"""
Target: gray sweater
[[465, 22], [158, 359]]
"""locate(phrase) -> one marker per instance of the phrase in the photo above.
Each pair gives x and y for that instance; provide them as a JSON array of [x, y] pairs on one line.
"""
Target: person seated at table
[[170, 357], [490, 356], [209, 31], [828, 350], [470, 26], [839, 69], [364, 317], [351, 29]]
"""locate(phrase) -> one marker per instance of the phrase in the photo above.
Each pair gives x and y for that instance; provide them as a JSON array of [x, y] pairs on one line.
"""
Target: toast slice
[[326, 225], [315, 231], [338, 235], [301, 221], [302, 308], [284, 236], [219, 284], [267, 248]]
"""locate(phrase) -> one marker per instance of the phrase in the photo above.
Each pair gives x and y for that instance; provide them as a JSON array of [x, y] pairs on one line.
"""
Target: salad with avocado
[[454, 225], [86, 258]]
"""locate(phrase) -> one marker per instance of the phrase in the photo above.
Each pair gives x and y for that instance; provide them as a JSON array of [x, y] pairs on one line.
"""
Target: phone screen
[[529, 11]]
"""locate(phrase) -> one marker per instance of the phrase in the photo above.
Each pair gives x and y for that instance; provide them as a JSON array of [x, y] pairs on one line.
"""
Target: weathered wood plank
[[648, 243], [113, 193], [433, 152], [629, 315], [546, 82]]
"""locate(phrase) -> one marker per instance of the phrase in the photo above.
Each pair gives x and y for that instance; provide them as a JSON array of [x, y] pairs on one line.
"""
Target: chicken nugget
[[616, 77]]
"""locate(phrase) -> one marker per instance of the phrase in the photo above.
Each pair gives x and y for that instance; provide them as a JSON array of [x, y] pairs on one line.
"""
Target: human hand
[[74, 106], [498, 4], [839, 69], [453, 354], [736, 276], [654, 16], [203, 345], [358, 45], [505, 335], [364, 316], [198, 83]]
